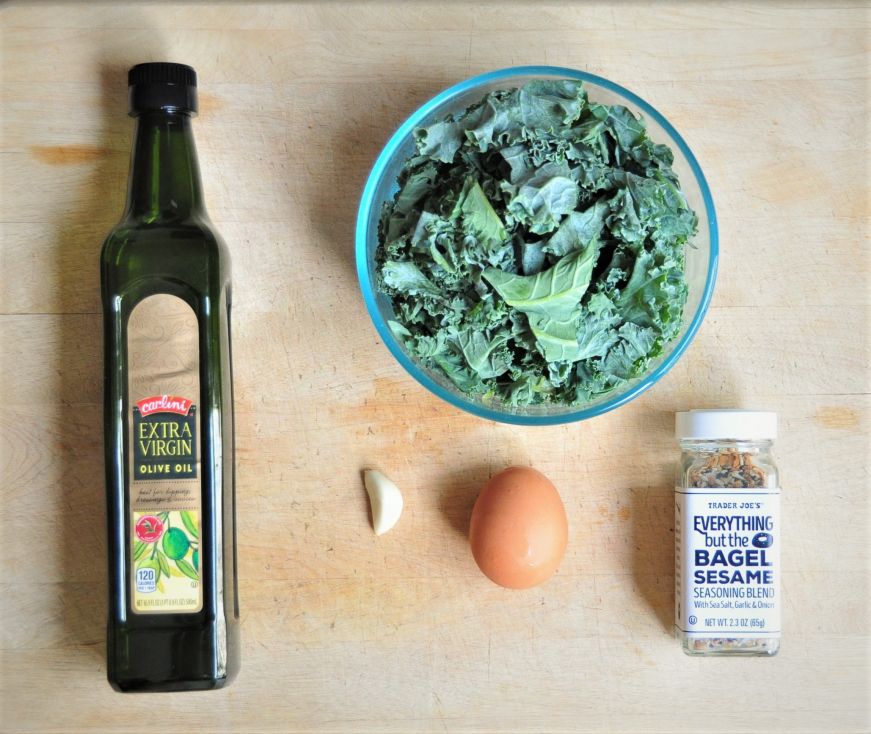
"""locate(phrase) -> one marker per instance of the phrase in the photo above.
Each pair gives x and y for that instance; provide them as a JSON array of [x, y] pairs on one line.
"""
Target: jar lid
[[741, 425]]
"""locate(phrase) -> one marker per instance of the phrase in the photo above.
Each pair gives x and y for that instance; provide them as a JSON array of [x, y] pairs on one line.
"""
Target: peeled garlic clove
[[385, 500]]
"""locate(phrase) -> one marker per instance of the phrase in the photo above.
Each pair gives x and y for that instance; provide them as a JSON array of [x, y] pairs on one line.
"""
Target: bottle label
[[163, 367], [727, 562]]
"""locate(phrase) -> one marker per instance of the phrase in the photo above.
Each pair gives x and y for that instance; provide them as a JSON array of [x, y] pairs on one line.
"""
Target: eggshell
[[519, 528]]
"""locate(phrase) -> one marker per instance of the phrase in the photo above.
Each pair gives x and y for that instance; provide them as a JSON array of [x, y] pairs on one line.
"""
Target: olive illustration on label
[[762, 540], [175, 543], [196, 559]]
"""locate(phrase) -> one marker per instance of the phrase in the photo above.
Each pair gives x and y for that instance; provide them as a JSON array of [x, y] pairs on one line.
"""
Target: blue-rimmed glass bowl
[[701, 258]]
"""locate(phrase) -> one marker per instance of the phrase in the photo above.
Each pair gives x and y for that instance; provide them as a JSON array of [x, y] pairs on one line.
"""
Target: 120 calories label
[[727, 562]]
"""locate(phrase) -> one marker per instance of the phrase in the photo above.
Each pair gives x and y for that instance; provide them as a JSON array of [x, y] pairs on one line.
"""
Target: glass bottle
[[727, 534], [168, 410]]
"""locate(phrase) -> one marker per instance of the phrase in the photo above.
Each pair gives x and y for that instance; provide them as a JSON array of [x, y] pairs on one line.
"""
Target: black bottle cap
[[162, 86]]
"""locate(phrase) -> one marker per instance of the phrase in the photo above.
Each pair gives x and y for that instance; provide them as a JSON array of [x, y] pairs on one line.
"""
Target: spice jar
[[727, 534]]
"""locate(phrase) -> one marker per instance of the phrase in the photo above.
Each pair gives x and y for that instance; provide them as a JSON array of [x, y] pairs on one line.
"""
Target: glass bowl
[[701, 258]]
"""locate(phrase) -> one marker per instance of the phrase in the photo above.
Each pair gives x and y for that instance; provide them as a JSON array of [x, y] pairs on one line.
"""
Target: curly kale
[[534, 252]]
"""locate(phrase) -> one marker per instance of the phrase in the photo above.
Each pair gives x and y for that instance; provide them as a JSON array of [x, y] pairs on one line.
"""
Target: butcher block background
[[348, 632]]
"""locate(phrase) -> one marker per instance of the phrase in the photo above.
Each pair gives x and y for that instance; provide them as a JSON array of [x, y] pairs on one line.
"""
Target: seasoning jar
[[727, 534]]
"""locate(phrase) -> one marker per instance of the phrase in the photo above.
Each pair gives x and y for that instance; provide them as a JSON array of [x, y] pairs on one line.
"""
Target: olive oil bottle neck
[[164, 181]]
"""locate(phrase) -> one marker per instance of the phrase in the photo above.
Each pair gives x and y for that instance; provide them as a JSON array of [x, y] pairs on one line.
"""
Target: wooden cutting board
[[343, 631]]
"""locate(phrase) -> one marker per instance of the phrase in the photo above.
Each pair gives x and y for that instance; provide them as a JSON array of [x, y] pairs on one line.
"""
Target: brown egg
[[519, 528]]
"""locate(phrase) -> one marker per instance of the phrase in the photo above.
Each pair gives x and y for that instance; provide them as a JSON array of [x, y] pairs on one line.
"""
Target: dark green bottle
[[170, 485]]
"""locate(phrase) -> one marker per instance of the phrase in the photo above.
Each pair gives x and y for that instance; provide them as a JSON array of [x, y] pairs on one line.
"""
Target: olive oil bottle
[[173, 608]]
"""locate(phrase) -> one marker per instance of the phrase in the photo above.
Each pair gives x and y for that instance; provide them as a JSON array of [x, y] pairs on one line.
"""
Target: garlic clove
[[385, 500]]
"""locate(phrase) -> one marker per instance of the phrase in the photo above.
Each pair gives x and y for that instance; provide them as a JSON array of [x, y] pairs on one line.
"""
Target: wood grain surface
[[347, 632]]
